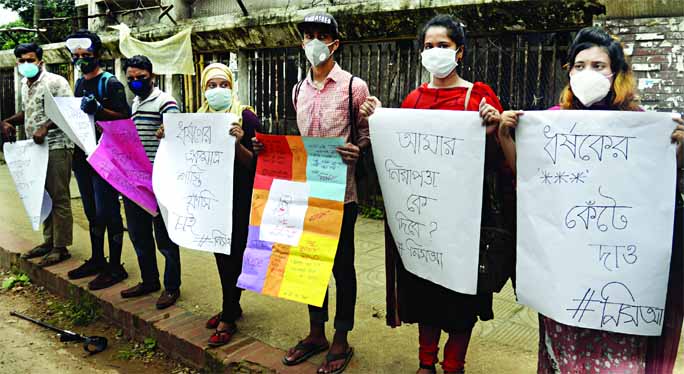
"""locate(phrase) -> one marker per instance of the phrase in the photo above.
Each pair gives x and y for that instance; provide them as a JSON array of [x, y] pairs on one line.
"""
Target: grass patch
[[372, 212], [139, 351], [77, 310]]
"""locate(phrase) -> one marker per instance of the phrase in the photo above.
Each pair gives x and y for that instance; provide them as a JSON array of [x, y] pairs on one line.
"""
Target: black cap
[[320, 19]]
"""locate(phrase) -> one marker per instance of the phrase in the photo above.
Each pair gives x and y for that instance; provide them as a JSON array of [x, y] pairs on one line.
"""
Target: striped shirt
[[147, 115]]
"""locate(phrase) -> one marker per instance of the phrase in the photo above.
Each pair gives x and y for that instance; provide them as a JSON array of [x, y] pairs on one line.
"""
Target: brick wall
[[656, 49]]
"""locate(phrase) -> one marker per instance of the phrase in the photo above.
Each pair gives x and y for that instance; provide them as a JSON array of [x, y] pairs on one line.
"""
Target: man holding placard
[[149, 105], [104, 97], [57, 229], [327, 102]]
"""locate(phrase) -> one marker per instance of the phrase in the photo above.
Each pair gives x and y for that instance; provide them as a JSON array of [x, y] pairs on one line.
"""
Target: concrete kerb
[[175, 329]]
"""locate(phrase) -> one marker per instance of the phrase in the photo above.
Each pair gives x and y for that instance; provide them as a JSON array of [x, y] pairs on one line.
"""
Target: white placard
[[192, 179], [27, 163], [430, 164], [283, 218], [66, 113], [596, 192]]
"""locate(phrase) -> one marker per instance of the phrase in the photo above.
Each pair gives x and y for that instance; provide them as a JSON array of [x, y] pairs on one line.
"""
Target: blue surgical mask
[[28, 70], [219, 98]]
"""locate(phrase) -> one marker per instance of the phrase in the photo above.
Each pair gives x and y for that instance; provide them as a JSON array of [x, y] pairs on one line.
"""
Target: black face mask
[[85, 64], [141, 87]]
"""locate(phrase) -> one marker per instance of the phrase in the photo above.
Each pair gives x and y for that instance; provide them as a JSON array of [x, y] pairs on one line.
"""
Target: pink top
[[325, 112]]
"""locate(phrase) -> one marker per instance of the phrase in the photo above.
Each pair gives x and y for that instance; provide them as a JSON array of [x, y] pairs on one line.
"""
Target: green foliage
[[372, 212], [17, 279], [56, 31], [79, 311], [143, 351], [8, 43]]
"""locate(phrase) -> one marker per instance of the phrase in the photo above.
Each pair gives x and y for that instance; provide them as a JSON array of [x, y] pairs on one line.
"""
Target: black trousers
[[345, 276]]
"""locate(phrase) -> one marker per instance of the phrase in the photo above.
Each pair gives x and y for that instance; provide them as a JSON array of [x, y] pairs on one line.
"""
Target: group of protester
[[321, 102]]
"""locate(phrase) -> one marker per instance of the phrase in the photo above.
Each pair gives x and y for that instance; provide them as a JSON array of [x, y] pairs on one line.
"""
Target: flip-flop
[[347, 356], [308, 349]]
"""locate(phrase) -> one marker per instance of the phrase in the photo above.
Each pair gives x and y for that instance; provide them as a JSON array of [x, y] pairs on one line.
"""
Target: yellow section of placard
[[308, 269]]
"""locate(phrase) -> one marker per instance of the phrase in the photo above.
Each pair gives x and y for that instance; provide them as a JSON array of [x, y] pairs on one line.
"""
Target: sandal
[[213, 322], [37, 251], [222, 337], [347, 356], [308, 349], [432, 368], [55, 256]]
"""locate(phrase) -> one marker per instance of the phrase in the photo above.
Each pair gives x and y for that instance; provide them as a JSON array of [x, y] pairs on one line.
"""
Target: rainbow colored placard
[[296, 217]]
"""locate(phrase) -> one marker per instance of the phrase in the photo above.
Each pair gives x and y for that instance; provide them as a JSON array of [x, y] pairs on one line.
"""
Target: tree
[[56, 31], [9, 42]]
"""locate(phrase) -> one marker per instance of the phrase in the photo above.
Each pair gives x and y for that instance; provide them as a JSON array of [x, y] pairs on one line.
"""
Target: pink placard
[[120, 159]]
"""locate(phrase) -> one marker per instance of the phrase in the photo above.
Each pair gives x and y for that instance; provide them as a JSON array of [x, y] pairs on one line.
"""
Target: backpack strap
[[102, 84], [467, 99], [352, 117], [296, 94]]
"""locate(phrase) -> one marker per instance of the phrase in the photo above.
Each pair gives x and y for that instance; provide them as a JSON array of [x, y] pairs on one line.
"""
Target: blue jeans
[[102, 208], [140, 227]]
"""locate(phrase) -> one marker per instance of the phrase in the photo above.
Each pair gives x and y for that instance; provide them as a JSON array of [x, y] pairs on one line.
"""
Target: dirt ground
[[28, 348]]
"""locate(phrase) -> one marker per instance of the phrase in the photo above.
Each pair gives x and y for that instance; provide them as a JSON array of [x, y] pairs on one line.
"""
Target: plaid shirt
[[34, 107], [325, 112]]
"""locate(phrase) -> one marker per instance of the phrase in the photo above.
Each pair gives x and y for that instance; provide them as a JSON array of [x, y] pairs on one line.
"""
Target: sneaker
[[89, 268], [112, 275], [139, 290], [167, 299]]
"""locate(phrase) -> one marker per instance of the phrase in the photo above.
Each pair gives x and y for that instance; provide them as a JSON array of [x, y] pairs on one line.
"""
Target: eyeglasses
[[24, 60]]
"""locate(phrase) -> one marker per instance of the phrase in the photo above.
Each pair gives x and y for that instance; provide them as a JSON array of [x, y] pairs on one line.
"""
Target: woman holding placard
[[601, 79], [220, 97], [412, 299]]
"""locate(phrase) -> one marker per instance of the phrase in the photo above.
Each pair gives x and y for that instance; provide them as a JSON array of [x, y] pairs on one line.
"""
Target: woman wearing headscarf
[[218, 88]]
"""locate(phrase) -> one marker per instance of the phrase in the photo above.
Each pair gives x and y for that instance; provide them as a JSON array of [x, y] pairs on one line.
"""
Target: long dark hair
[[622, 94], [454, 27]]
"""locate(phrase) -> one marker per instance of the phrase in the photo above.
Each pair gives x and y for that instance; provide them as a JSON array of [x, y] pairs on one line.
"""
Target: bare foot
[[336, 348], [293, 354]]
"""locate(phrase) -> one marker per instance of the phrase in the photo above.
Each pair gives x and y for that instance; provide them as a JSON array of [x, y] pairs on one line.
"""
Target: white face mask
[[589, 86], [317, 52], [440, 62]]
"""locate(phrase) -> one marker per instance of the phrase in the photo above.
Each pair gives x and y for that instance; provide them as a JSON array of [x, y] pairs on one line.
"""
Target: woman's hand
[[508, 122], [237, 131], [349, 153], [489, 114], [368, 107], [257, 146], [160, 132]]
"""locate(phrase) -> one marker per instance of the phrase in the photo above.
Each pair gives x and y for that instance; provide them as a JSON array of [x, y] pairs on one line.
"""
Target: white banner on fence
[[430, 165], [66, 113], [193, 179], [596, 197], [27, 163]]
